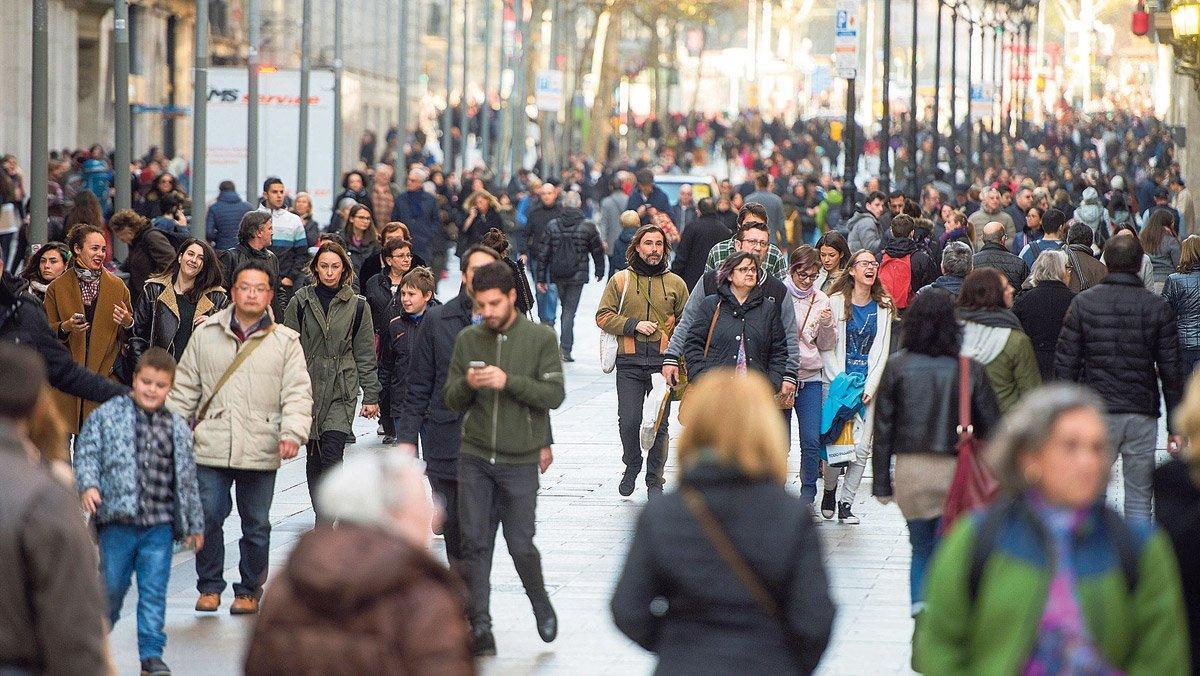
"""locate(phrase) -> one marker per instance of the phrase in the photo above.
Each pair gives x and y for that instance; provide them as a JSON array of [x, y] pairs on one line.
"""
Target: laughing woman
[[183, 297], [89, 308]]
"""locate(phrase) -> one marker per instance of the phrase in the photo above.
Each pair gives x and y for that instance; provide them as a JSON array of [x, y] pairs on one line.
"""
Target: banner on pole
[[845, 43], [548, 90]]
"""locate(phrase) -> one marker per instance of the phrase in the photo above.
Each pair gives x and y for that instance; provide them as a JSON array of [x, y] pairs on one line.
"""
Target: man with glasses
[[752, 236], [244, 382]]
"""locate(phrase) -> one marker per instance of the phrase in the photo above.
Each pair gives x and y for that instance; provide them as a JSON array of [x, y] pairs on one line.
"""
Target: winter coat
[[538, 218], [630, 298], [812, 334], [1083, 266], [710, 623], [610, 219], [916, 410], [378, 292], [340, 355], [479, 227], [395, 361], [994, 338], [865, 233], [1121, 339], [657, 199], [360, 254], [774, 208], [1176, 500], [1182, 292], [55, 612], [224, 218], [150, 254], [424, 400], [994, 255], [98, 347], [1041, 311], [835, 359], [106, 458], [289, 243], [233, 259], [1166, 259], [358, 600], [512, 426], [563, 251], [1138, 632], [23, 320], [697, 240], [419, 211], [755, 323], [267, 400], [951, 284], [156, 316]]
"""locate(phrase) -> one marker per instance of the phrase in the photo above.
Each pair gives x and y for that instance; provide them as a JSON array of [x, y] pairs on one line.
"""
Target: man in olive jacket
[[506, 375]]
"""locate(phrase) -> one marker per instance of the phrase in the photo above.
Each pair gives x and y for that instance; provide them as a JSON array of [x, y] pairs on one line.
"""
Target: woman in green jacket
[[1049, 580], [338, 338], [992, 336]]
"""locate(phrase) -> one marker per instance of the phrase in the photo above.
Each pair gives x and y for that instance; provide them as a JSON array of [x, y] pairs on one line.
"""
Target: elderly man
[[956, 265], [1020, 206], [684, 211], [995, 254], [383, 195], [418, 209], [989, 210]]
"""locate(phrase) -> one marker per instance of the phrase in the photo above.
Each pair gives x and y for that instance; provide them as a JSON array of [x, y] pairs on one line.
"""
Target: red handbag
[[974, 485]]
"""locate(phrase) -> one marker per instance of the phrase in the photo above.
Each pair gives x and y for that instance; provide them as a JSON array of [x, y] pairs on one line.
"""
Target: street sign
[[845, 42], [983, 98], [548, 90]]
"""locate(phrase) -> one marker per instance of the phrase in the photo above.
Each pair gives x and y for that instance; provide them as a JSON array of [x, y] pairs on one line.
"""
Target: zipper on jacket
[[496, 406]]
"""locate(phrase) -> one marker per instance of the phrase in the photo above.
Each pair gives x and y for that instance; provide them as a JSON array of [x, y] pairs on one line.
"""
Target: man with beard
[[641, 306], [505, 376]]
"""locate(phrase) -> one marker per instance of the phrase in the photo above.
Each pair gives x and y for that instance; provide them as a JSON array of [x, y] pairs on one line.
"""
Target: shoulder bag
[[238, 360], [608, 341], [974, 485]]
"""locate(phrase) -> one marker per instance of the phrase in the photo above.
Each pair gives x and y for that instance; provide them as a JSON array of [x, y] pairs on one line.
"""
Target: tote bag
[[974, 485], [608, 341]]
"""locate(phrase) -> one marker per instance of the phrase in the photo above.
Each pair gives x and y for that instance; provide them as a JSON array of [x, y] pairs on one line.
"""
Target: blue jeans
[[255, 490], [808, 420], [923, 536], [146, 551], [547, 304]]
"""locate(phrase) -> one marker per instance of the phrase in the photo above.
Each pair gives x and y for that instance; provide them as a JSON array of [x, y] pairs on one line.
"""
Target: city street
[[584, 528]]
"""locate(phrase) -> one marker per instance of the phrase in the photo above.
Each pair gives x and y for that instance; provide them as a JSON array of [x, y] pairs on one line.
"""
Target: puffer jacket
[[340, 355], [1182, 292], [1120, 339], [106, 458], [358, 600], [916, 410], [994, 255], [756, 323], [267, 400], [563, 252], [156, 316]]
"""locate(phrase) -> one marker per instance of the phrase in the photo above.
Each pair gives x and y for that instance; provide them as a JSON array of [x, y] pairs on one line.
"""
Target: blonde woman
[[862, 314], [681, 599]]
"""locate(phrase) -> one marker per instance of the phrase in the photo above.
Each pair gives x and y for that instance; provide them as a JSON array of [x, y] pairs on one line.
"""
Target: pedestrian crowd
[[1008, 333]]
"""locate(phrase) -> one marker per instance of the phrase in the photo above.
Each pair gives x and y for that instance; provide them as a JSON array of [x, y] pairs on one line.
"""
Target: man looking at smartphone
[[505, 375]]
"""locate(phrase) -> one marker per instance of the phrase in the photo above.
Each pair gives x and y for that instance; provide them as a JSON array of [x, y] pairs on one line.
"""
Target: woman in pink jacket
[[814, 324]]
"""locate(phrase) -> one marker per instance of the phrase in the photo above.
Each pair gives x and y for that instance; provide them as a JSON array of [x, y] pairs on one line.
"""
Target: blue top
[[860, 335]]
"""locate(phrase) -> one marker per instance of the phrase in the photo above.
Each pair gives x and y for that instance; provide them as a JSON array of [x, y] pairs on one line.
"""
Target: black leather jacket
[[156, 316], [1182, 291], [916, 410]]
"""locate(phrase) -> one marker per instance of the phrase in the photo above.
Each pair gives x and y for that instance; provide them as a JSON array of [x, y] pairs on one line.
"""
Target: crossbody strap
[[712, 325], [238, 360], [964, 397], [624, 290]]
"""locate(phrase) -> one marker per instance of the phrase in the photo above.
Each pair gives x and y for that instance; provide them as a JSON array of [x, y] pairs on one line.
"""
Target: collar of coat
[[1123, 279], [167, 296]]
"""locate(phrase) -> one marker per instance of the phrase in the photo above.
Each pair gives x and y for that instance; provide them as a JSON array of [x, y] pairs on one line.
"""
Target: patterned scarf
[[89, 284]]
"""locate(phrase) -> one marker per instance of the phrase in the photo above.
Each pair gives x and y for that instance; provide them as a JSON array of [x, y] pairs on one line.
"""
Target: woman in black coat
[[739, 326], [679, 596], [483, 215], [1042, 308], [697, 240]]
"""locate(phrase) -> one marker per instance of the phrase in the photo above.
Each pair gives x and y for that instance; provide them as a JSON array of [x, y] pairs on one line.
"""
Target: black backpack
[[567, 254]]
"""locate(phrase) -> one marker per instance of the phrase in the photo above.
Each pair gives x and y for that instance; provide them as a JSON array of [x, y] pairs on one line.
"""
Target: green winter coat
[[995, 339], [339, 364]]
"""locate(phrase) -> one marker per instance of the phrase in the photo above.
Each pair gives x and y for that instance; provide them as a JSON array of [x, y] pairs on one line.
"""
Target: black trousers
[[322, 454], [385, 401], [568, 298], [488, 495], [633, 383]]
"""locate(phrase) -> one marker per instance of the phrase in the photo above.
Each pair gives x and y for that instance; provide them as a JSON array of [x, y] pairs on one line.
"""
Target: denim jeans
[[569, 295], [922, 535], [254, 490], [808, 420], [146, 551], [547, 304], [1133, 436], [633, 384]]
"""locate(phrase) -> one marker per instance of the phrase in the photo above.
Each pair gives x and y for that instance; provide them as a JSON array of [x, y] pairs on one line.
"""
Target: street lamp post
[[913, 169], [447, 146], [305, 50], [972, 29], [124, 144], [937, 90], [337, 96], [402, 80], [519, 98], [39, 137], [252, 61], [463, 112], [885, 130], [952, 146], [485, 109], [199, 121]]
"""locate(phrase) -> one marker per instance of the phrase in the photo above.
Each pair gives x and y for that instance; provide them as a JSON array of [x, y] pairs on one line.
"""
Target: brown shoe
[[243, 605], [208, 603]]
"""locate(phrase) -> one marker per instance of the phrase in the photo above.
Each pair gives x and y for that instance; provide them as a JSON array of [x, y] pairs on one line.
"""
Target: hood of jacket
[[833, 197], [900, 247], [986, 332], [1089, 214], [570, 218], [999, 318], [229, 196], [951, 283]]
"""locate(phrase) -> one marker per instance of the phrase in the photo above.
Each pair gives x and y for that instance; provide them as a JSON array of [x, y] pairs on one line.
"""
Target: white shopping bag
[[654, 409], [841, 451]]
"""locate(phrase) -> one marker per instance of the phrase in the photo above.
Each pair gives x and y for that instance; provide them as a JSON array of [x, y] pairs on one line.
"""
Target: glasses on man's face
[[253, 289]]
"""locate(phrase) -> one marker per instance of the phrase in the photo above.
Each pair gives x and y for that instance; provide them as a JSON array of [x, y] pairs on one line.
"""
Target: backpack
[[565, 252], [896, 276]]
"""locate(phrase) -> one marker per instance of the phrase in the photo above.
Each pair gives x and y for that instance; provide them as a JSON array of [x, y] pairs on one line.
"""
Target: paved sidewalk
[[584, 528]]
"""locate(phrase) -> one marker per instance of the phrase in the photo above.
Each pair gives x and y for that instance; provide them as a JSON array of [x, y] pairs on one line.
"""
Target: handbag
[[974, 485], [608, 341], [736, 563], [238, 360]]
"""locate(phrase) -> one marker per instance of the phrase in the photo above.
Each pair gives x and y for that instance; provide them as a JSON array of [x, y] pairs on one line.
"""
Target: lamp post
[[952, 146], [199, 121], [885, 128], [913, 169], [972, 29]]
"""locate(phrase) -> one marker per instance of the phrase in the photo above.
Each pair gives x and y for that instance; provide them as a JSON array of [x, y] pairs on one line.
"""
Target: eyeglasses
[[746, 270], [760, 243], [805, 275], [867, 264], [402, 257], [252, 289]]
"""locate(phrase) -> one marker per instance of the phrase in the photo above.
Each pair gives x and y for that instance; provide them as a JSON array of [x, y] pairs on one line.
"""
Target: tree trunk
[[606, 86]]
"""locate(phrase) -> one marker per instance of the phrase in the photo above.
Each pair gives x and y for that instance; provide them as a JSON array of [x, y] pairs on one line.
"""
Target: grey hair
[[365, 488], [956, 259], [1049, 266], [988, 192], [346, 203], [1028, 427], [571, 200]]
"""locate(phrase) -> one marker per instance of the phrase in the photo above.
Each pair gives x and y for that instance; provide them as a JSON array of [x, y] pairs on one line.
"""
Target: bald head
[[993, 233]]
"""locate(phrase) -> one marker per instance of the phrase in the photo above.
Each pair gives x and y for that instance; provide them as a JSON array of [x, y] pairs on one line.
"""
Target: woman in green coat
[[992, 336], [338, 338]]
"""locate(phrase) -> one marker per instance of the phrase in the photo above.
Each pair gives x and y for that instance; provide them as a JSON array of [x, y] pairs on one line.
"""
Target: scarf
[[38, 287], [644, 269], [796, 292], [996, 318], [89, 284]]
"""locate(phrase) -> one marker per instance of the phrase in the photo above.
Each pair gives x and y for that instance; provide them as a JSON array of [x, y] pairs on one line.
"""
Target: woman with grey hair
[[1049, 579], [1041, 309], [366, 595]]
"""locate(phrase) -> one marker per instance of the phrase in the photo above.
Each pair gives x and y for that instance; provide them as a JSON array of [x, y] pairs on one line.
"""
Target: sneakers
[[828, 503], [483, 644], [154, 666], [243, 604], [566, 357], [845, 515], [208, 603], [628, 483]]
